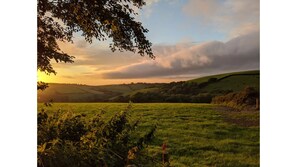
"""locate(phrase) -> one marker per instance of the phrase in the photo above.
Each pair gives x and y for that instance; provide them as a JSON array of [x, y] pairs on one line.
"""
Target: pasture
[[196, 134]]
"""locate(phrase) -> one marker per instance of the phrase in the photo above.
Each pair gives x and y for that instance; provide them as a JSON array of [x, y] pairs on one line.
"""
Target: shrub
[[144, 97], [245, 99], [67, 139]]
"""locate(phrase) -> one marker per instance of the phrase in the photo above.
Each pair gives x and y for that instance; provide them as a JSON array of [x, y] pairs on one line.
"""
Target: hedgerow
[[67, 139]]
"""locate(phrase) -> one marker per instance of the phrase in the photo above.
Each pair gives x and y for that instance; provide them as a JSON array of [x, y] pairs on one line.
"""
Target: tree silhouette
[[95, 19]]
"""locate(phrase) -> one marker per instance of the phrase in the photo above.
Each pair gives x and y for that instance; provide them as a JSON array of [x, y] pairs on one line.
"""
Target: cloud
[[240, 53], [148, 8], [81, 43], [67, 76], [151, 2], [227, 15], [95, 55]]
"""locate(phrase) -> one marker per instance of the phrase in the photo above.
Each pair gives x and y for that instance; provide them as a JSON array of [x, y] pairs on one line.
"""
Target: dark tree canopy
[[96, 19]]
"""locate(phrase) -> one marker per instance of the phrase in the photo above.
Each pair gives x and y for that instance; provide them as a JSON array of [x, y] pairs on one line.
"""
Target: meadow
[[196, 134]]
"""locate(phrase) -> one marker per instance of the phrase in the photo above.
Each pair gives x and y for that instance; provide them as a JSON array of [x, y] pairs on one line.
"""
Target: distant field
[[197, 134], [86, 93], [220, 76], [234, 83]]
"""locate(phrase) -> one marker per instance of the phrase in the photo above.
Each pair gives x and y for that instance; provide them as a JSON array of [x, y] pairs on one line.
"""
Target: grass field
[[219, 76], [196, 134], [235, 83]]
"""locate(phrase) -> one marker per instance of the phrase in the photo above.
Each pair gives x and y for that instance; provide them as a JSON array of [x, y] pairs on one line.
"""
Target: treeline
[[174, 92], [147, 97]]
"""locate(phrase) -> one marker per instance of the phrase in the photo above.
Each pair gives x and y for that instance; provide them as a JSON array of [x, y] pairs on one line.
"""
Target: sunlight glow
[[41, 76]]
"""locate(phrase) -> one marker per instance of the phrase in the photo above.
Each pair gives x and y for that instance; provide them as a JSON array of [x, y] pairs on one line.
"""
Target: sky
[[191, 38]]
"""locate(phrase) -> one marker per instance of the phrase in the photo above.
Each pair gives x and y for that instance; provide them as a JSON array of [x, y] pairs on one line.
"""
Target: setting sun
[[41, 76]]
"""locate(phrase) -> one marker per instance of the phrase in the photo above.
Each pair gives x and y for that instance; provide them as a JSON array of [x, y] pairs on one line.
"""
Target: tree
[[96, 19]]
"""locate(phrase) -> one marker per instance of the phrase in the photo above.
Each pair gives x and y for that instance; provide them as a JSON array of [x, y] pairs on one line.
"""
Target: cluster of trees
[[184, 87], [149, 97], [175, 92]]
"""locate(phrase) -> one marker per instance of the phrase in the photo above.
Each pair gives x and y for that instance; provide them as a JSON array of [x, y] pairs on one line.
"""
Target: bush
[[144, 97], [67, 139], [246, 99]]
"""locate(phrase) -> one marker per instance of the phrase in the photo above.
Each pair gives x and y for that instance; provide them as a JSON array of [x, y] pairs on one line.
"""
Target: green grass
[[219, 76], [197, 134], [235, 83]]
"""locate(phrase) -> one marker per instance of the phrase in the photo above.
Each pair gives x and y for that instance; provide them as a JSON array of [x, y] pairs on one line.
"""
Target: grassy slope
[[235, 83], [231, 81], [84, 92], [205, 79], [197, 134]]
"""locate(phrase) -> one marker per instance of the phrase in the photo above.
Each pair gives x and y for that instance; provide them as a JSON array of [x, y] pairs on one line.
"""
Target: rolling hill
[[222, 76], [184, 91], [231, 81], [85, 93]]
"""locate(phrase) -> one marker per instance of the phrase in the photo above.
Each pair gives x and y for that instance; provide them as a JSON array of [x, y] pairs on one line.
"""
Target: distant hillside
[[195, 90], [235, 81], [86, 93], [222, 76]]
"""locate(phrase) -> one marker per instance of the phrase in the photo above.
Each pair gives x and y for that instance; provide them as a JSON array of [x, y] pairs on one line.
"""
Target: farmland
[[196, 134], [183, 91], [221, 76]]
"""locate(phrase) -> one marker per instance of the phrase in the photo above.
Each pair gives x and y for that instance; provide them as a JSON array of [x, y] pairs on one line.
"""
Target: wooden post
[[257, 104], [165, 155]]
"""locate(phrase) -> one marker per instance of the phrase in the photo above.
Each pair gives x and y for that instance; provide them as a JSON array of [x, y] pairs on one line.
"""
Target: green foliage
[[146, 97], [96, 19], [247, 98], [202, 98], [68, 139], [196, 134], [175, 92]]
